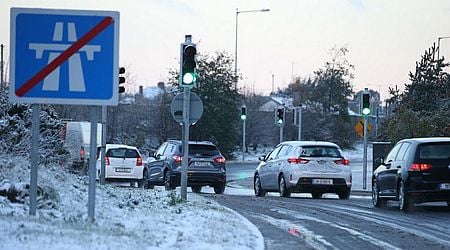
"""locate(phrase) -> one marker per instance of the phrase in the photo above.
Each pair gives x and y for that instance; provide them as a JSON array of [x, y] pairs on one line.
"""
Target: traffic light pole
[[299, 110], [281, 133], [185, 160], [243, 140], [365, 154]]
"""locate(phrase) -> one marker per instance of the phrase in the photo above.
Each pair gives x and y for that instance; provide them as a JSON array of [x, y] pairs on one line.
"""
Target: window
[[320, 151], [402, 152], [284, 151], [391, 156], [122, 153], [161, 149], [434, 151], [203, 150], [274, 153]]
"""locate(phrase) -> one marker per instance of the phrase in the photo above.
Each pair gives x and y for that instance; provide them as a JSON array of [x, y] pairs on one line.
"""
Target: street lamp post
[[439, 44], [236, 41]]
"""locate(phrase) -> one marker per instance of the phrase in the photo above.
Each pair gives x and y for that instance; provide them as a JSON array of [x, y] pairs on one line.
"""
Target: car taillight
[[298, 160], [177, 158], [219, 160], [139, 161], [420, 167], [107, 161], [342, 162], [82, 153]]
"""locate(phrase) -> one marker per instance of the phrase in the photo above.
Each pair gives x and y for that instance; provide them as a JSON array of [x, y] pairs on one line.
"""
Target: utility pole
[[1, 68]]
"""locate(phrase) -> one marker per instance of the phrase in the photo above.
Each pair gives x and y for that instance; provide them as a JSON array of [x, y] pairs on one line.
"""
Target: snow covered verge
[[128, 218]]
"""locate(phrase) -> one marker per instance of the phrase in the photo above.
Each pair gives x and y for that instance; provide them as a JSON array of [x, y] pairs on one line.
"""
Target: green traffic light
[[189, 78], [280, 121], [243, 117], [366, 111]]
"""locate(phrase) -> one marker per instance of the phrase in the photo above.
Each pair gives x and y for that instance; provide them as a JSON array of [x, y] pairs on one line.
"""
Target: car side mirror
[[379, 161], [262, 158]]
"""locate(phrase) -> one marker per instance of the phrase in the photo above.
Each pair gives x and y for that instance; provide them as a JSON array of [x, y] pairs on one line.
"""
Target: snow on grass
[[125, 217]]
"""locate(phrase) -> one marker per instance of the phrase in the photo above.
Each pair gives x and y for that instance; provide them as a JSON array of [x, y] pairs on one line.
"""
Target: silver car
[[304, 167]]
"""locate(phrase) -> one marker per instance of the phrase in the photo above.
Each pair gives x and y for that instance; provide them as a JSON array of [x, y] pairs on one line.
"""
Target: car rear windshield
[[203, 150], [434, 151], [122, 153], [319, 151]]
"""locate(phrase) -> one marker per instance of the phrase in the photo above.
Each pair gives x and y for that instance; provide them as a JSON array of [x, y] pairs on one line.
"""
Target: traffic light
[[366, 104], [121, 79], [243, 112], [188, 74], [279, 119]]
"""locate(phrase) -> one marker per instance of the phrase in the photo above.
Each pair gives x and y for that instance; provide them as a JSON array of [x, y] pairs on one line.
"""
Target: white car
[[304, 167], [123, 163]]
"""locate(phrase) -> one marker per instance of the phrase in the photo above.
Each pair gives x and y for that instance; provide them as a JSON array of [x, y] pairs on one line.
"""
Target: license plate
[[322, 181], [444, 186], [123, 170], [201, 163]]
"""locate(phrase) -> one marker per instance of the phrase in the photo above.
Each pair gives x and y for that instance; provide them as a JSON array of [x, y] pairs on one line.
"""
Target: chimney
[[141, 90]]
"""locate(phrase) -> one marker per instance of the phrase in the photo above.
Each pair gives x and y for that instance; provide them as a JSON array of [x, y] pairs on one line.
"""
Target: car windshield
[[203, 150], [319, 151], [122, 153], [435, 151]]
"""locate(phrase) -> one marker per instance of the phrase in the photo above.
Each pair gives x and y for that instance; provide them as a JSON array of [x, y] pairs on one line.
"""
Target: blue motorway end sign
[[64, 56]]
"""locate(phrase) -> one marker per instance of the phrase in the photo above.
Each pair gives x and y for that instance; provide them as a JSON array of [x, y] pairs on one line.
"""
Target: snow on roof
[[152, 92]]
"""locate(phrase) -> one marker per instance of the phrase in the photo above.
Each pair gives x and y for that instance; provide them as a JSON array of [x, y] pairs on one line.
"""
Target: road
[[301, 222]]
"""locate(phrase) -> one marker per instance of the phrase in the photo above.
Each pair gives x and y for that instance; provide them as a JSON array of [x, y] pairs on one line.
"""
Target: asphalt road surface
[[301, 222]]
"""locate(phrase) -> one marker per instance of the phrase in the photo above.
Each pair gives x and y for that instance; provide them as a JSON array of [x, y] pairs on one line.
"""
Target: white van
[[77, 141]]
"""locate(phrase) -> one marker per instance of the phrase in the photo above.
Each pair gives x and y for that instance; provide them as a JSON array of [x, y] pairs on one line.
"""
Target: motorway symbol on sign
[[64, 56], [195, 110]]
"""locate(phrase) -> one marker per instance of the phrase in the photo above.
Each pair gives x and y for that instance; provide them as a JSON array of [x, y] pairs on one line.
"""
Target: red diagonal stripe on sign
[[64, 56]]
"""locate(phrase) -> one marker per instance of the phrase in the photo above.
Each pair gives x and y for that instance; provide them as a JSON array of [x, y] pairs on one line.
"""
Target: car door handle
[[399, 166]]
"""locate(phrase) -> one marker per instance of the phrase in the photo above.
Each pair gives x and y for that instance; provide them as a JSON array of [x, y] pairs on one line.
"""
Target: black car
[[206, 166], [415, 170]]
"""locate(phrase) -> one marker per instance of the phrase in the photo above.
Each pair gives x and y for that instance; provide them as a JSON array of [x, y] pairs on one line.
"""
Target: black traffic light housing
[[121, 79], [366, 104], [188, 65], [243, 112], [279, 117]]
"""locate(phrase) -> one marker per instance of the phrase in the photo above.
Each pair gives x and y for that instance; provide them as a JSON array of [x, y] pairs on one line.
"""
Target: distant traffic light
[[188, 74], [243, 112], [366, 104], [121, 79], [279, 117]]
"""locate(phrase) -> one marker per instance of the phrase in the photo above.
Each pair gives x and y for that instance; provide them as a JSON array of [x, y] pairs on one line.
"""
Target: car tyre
[[404, 201], [259, 191], [196, 189], [219, 188], [168, 185], [344, 195], [376, 200], [284, 192], [316, 195]]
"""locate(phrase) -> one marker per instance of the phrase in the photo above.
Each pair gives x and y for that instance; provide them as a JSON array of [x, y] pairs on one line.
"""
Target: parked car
[[414, 171], [206, 166], [77, 138], [123, 163], [304, 167]]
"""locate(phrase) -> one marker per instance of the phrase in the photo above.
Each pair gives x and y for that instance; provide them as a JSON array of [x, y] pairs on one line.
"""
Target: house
[[276, 101]]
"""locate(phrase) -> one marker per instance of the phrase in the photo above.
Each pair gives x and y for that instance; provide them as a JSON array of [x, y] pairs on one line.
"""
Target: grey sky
[[385, 37]]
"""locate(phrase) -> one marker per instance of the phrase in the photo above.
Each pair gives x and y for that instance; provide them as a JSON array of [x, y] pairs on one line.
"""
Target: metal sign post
[[185, 160], [92, 165], [102, 170], [34, 158], [365, 154], [243, 140]]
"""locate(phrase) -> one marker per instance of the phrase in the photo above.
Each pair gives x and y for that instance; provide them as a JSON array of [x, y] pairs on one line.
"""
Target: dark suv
[[206, 166], [415, 170]]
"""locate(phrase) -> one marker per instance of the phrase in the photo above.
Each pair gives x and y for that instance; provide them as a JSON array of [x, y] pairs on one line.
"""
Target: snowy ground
[[129, 218]]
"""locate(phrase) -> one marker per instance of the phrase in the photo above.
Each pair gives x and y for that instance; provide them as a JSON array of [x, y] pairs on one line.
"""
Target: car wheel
[[141, 182], [344, 195], [219, 188], [376, 200], [259, 191], [196, 189], [316, 195], [284, 192], [167, 182], [403, 198]]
